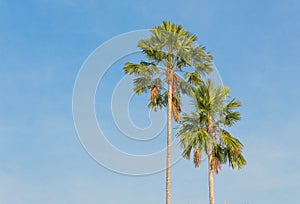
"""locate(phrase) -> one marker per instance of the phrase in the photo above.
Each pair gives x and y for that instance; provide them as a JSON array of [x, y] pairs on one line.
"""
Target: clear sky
[[44, 43]]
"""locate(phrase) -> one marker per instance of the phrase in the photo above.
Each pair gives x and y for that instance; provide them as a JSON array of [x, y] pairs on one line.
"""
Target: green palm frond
[[193, 77], [234, 103], [159, 103], [143, 84], [202, 60], [232, 150], [230, 116], [143, 69], [192, 135], [229, 141]]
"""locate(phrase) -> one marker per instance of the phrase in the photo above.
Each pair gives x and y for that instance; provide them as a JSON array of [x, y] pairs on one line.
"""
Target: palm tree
[[203, 131], [171, 52]]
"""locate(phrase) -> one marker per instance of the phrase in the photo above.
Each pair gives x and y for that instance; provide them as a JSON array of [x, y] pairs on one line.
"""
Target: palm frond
[[232, 150], [176, 106], [197, 157], [193, 77], [230, 116], [215, 164]]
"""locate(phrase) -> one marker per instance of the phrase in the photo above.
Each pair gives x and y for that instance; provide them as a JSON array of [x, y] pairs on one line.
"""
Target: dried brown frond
[[176, 107], [175, 112], [215, 165], [197, 157], [237, 151], [154, 94]]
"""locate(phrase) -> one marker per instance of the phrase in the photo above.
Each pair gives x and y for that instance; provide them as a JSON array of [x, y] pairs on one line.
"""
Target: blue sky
[[44, 43]]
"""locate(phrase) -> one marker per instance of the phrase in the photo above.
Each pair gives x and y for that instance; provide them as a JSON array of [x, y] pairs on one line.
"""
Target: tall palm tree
[[171, 52], [203, 131]]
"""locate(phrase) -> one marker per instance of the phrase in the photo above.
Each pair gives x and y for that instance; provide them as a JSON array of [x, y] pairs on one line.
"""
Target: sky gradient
[[44, 43]]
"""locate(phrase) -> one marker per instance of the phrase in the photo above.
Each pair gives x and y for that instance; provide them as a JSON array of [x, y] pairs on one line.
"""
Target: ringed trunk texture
[[211, 181], [169, 141]]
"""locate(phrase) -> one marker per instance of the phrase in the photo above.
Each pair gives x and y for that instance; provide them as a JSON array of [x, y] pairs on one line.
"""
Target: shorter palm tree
[[202, 131]]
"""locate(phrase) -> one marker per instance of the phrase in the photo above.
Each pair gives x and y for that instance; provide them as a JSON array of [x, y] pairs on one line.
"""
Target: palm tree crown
[[169, 50], [203, 129]]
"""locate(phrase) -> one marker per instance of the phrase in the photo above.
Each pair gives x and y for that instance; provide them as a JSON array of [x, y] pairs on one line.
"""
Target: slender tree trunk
[[210, 166], [169, 142], [211, 181]]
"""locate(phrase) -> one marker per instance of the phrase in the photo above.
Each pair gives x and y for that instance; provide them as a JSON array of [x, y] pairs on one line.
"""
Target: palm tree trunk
[[211, 181], [210, 166], [169, 142]]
